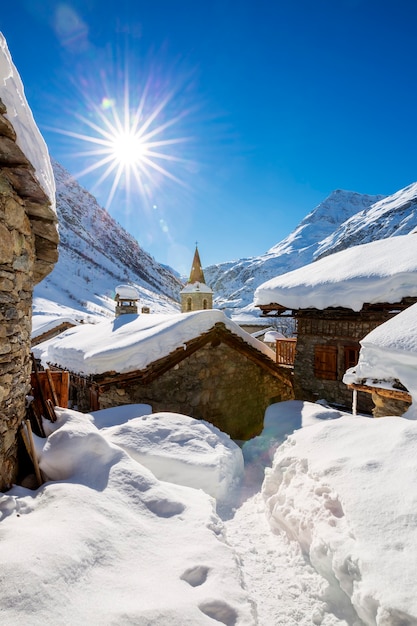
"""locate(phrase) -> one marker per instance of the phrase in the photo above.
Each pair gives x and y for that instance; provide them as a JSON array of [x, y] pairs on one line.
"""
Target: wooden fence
[[286, 351]]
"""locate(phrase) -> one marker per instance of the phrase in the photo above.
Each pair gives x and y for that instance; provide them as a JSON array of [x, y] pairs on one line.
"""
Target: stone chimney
[[127, 299]]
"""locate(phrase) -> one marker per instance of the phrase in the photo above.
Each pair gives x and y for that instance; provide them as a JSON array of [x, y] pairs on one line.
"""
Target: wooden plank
[[395, 394]]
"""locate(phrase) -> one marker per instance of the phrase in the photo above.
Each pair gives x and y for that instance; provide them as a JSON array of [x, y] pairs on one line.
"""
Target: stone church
[[196, 295]]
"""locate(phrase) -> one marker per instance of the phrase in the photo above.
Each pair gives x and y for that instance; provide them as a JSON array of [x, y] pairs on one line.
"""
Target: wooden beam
[[394, 394]]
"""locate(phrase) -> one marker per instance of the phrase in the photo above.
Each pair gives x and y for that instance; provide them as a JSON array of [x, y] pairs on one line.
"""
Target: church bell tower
[[196, 295]]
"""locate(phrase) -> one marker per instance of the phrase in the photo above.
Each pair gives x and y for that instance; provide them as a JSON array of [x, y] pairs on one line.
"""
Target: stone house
[[28, 251], [335, 302], [200, 364]]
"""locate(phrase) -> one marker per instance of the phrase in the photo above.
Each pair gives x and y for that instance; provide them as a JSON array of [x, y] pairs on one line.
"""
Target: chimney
[[127, 299]]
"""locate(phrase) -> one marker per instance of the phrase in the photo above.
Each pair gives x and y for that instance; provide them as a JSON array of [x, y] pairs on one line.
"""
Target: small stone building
[[196, 295], [127, 299], [199, 364], [28, 251]]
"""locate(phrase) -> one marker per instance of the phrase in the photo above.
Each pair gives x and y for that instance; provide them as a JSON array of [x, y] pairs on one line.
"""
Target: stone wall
[[388, 406], [28, 251], [216, 384], [196, 301]]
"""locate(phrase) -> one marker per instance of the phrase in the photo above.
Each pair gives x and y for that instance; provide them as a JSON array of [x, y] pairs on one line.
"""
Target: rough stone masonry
[[28, 252]]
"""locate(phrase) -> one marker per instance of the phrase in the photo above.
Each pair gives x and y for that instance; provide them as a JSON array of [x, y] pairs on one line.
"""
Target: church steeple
[[196, 295], [196, 274]]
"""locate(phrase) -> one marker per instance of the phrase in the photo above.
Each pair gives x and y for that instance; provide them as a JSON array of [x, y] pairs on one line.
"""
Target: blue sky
[[255, 110]]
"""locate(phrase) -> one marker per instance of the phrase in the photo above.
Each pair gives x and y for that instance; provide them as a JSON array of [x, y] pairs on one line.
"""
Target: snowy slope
[[392, 216], [95, 255], [234, 283]]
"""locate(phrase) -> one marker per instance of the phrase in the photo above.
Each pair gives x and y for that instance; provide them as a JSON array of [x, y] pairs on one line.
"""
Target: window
[[351, 356], [189, 302], [325, 362], [204, 304]]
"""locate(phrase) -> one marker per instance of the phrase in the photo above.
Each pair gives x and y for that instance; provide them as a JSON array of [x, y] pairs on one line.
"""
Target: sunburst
[[130, 146]]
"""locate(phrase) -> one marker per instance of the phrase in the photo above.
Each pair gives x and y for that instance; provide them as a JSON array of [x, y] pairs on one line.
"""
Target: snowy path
[[286, 590]]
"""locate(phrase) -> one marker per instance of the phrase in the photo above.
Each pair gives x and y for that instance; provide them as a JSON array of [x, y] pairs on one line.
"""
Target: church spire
[[196, 295], [196, 274]]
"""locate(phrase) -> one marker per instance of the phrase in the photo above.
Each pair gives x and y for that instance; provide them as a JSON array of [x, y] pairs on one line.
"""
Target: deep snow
[[330, 538]]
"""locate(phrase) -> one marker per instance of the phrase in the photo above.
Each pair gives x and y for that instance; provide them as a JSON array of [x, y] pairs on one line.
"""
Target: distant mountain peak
[[343, 219]]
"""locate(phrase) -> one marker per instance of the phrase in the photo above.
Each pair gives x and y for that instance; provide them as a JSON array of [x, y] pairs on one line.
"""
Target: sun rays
[[129, 146]]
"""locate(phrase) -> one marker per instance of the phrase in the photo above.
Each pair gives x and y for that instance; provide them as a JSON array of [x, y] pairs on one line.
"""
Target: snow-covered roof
[[127, 292], [44, 323], [273, 335], [380, 271], [29, 138], [132, 342], [199, 287], [388, 353]]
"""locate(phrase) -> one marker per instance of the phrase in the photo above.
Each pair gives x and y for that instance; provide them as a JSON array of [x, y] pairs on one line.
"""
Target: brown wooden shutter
[[325, 362], [351, 356]]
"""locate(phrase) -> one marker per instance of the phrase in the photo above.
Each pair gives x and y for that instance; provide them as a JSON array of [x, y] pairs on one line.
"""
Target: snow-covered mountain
[[95, 255], [234, 283], [392, 216], [342, 220]]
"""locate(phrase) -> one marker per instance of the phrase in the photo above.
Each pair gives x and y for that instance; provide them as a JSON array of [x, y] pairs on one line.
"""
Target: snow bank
[[110, 544], [131, 342], [340, 489], [182, 450], [380, 271], [29, 139], [119, 415]]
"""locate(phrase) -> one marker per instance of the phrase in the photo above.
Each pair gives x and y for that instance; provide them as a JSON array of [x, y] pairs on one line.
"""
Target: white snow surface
[[29, 138], [193, 287], [131, 342], [182, 450], [105, 542], [380, 271], [127, 292], [43, 323], [330, 539], [344, 490], [389, 353]]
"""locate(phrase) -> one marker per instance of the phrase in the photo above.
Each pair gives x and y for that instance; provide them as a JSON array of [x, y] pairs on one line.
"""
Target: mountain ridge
[[234, 283], [95, 255]]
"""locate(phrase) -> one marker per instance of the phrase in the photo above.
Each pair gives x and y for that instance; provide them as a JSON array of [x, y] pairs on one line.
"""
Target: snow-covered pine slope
[[234, 283], [95, 255]]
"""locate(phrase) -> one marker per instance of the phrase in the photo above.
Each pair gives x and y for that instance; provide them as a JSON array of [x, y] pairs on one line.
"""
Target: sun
[[131, 143], [128, 148]]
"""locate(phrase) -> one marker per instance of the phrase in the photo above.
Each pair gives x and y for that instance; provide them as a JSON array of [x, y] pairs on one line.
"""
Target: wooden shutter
[[325, 362], [351, 356]]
